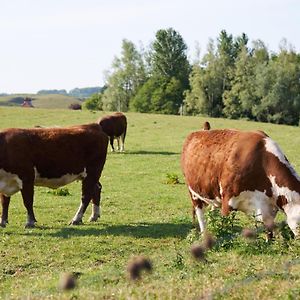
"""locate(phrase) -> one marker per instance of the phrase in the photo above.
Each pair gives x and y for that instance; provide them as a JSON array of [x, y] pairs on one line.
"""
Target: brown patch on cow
[[281, 201], [206, 126]]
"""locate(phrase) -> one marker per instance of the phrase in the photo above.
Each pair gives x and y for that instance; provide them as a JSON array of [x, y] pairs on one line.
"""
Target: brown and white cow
[[52, 157], [115, 126], [238, 170]]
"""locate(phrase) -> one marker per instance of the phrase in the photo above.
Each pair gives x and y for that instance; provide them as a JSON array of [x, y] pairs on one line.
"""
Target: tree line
[[232, 79], [76, 92]]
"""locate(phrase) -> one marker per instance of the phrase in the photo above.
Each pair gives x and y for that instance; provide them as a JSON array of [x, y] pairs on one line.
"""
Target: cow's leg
[[87, 193], [200, 216], [96, 203], [268, 215], [111, 140], [5, 204], [118, 143], [122, 137], [27, 192]]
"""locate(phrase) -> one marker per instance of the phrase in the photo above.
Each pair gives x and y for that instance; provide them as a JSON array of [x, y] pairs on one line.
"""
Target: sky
[[66, 44]]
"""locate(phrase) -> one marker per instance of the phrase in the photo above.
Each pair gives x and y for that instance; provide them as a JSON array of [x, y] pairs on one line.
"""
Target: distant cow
[[243, 171], [115, 126], [51, 157]]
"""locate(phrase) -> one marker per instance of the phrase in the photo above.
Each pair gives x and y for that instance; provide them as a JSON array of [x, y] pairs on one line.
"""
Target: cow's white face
[[292, 211], [292, 208], [9, 183], [55, 183]]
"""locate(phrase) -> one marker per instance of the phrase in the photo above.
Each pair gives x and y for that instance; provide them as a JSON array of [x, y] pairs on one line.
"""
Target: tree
[[206, 81], [239, 100], [280, 101], [169, 57], [159, 95], [127, 75], [94, 102]]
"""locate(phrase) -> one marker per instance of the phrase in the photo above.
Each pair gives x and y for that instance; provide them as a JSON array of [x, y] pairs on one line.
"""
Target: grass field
[[142, 215]]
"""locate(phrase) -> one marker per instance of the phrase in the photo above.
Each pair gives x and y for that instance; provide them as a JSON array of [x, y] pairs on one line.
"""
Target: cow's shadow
[[144, 152], [136, 230]]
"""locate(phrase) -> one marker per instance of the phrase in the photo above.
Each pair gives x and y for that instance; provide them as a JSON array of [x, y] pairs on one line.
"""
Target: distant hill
[[40, 100]]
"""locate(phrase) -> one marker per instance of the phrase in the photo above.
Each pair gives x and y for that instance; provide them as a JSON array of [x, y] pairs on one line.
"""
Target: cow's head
[[292, 211]]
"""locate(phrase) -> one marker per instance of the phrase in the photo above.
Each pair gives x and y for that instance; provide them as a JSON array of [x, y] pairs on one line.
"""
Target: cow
[[115, 126], [240, 170], [52, 157]]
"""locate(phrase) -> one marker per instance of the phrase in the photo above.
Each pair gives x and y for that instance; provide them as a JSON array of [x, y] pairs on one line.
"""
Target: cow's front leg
[[201, 219], [111, 141], [87, 193], [96, 203], [27, 194], [5, 204]]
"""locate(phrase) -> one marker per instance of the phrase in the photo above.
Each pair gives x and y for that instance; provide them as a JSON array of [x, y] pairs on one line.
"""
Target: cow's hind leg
[[88, 187], [5, 204], [96, 202], [27, 194], [122, 138], [200, 216]]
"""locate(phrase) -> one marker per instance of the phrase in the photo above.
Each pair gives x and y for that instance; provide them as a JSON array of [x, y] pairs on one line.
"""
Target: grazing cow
[[244, 171], [51, 157], [115, 127]]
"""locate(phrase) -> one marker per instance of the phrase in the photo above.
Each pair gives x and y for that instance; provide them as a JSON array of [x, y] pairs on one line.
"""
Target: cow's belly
[[55, 183], [9, 183], [256, 202]]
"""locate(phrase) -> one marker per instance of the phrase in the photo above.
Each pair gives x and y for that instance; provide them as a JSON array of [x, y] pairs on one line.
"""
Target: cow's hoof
[[3, 224], [93, 219], [30, 225], [76, 222]]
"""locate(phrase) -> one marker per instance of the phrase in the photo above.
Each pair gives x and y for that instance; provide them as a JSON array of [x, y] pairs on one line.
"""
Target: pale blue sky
[[63, 44]]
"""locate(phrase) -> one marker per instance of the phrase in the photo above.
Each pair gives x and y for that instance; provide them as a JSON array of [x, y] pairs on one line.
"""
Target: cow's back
[[53, 151]]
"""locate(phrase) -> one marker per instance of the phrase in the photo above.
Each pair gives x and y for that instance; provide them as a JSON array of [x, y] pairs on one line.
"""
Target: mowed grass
[[141, 215]]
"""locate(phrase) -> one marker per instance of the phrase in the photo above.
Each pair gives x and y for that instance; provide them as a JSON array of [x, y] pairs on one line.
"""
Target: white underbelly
[[55, 183], [9, 183], [253, 202]]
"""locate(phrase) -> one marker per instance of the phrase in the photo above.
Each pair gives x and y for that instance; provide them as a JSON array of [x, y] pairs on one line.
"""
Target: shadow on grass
[[143, 152], [137, 230]]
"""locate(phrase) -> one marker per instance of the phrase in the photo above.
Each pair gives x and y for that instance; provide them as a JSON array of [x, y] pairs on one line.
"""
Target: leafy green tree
[[239, 100], [159, 95], [168, 56], [206, 81], [94, 102], [127, 75], [280, 102]]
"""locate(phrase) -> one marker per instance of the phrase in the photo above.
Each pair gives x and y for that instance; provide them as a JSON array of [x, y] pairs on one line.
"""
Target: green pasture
[[142, 214]]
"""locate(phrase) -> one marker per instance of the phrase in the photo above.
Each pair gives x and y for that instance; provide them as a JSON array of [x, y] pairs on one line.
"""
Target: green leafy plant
[[172, 178]]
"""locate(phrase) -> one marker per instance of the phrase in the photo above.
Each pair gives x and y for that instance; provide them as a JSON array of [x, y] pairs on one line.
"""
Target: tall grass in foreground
[[145, 211]]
